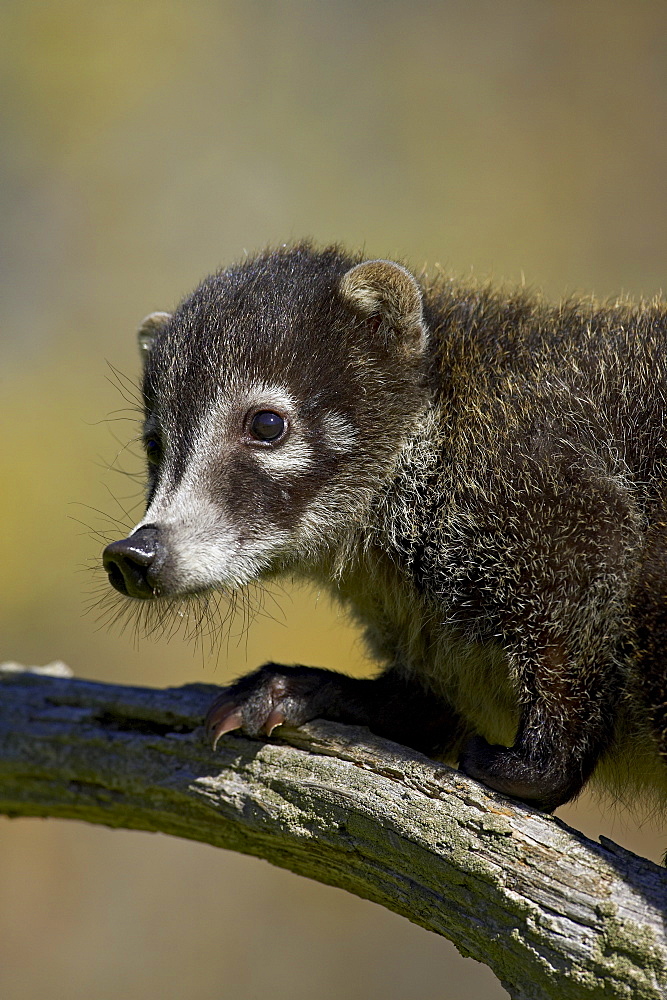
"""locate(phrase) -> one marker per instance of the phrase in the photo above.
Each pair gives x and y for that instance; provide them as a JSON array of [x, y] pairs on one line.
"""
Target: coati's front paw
[[265, 699], [544, 783]]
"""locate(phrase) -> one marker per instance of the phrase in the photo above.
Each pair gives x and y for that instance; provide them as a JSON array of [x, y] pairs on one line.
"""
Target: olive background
[[144, 145]]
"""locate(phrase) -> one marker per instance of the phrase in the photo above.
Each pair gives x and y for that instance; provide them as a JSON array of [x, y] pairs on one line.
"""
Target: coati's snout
[[133, 563]]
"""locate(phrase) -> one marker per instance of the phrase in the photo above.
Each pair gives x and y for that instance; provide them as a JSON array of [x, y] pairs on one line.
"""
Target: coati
[[478, 476]]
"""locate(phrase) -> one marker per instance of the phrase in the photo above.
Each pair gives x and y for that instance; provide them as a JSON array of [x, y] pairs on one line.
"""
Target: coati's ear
[[383, 289], [150, 326]]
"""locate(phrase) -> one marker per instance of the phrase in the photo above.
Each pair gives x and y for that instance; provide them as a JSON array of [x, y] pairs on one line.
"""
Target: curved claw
[[275, 719], [222, 718]]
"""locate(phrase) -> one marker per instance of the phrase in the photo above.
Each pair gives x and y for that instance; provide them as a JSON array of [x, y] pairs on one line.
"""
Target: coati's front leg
[[389, 705], [566, 723], [561, 623]]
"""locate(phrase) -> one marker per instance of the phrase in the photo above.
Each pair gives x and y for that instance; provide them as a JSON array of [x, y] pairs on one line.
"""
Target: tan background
[[147, 143]]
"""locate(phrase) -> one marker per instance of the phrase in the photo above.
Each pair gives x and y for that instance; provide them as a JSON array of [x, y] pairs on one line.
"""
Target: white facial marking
[[292, 455], [267, 397], [339, 433], [205, 548]]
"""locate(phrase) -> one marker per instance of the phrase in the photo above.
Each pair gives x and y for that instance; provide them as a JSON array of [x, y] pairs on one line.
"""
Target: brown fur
[[478, 475]]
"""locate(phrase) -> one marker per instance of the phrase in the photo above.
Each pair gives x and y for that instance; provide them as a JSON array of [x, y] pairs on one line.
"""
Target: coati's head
[[277, 397]]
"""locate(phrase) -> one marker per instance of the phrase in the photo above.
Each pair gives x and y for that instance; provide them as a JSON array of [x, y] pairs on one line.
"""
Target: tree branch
[[554, 914]]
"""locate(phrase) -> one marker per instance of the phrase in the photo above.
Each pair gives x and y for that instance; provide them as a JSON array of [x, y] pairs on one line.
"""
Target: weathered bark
[[553, 914]]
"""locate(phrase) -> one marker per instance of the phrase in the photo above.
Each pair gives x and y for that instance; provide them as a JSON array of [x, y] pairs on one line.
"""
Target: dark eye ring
[[153, 449], [267, 426]]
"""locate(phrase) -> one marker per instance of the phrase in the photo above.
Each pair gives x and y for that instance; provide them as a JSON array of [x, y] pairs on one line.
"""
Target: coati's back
[[600, 371], [478, 476]]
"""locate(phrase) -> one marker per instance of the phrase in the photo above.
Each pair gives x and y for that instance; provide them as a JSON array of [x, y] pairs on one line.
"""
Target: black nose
[[132, 563]]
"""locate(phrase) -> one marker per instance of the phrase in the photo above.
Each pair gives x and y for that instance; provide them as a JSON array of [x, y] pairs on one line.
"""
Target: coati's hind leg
[[389, 705]]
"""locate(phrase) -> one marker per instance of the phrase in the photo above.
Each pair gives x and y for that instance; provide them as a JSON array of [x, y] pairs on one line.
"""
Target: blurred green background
[[145, 144]]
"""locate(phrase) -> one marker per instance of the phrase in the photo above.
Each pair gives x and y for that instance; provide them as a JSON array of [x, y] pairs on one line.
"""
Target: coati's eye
[[267, 426], [153, 449]]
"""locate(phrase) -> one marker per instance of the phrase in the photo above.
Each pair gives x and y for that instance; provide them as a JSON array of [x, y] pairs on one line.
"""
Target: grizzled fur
[[481, 478]]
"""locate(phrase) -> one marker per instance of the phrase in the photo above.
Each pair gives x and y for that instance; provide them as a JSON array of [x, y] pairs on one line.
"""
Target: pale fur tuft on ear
[[150, 326], [383, 288]]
